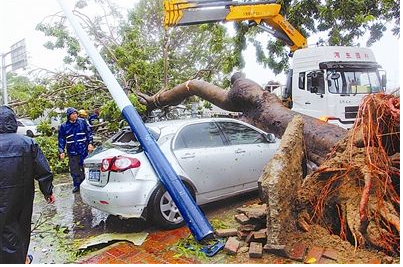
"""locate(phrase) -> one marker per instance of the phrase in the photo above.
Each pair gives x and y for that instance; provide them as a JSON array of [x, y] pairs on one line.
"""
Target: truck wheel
[[164, 211], [30, 133]]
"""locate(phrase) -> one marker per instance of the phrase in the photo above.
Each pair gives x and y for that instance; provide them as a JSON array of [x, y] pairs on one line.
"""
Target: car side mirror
[[271, 138]]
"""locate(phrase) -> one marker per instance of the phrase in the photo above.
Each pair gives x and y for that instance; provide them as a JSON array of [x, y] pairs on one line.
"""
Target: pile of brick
[[251, 233], [251, 237]]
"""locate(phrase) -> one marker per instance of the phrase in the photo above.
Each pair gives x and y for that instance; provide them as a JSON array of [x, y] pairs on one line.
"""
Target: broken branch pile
[[356, 192]]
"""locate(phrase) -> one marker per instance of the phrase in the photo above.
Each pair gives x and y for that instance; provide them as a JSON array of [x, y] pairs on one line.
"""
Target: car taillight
[[119, 164]]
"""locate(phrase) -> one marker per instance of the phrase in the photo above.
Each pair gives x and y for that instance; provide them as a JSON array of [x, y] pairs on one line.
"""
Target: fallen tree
[[355, 192], [258, 107]]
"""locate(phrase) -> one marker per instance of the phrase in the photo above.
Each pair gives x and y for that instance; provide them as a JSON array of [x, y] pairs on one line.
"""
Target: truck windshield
[[353, 81]]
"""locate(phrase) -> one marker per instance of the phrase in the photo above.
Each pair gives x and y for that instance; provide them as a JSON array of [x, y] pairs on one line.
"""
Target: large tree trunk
[[259, 108]]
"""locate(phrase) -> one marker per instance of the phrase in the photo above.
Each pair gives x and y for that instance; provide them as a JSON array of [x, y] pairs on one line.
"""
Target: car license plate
[[94, 175]]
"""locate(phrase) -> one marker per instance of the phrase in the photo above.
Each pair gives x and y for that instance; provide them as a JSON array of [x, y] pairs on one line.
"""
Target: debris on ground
[[134, 238]]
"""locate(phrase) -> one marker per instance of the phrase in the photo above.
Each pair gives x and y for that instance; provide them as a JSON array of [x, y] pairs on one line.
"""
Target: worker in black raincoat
[[21, 161]]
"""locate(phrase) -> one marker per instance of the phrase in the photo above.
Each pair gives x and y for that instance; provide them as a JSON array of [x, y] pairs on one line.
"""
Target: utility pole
[[4, 78], [18, 60]]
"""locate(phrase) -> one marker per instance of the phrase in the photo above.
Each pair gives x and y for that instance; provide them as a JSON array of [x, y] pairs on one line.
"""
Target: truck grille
[[351, 112]]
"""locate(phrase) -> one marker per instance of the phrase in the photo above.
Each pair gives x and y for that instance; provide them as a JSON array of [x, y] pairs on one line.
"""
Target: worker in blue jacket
[[76, 135]]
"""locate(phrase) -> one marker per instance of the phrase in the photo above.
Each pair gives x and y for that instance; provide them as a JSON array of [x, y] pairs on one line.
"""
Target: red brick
[[261, 234], [330, 253], [255, 250], [375, 261], [242, 234], [249, 237], [226, 232], [247, 227], [297, 252], [251, 208], [314, 254], [241, 218], [278, 250], [257, 213], [232, 245]]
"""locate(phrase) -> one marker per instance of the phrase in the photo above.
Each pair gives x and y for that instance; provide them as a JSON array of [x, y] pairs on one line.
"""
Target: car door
[[310, 96], [251, 152], [205, 158]]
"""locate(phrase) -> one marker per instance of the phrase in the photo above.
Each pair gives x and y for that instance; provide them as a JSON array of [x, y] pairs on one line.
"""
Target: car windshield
[[353, 81], [125, 139], [27, 122]]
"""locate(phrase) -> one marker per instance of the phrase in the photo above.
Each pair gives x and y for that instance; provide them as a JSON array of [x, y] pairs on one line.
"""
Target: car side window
[[239, 134], [199, 135], [19, 124]]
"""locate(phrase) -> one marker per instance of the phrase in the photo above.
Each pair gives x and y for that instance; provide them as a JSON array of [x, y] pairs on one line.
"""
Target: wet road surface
[[58, 230]]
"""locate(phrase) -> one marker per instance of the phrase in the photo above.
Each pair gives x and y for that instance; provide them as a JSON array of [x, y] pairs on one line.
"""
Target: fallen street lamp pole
[[195, 219]]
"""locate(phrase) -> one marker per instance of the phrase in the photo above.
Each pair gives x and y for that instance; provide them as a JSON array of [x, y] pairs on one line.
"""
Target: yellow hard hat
[[83, 113]]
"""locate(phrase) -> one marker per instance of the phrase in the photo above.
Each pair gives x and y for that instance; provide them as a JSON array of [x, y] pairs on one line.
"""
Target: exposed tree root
[[360, 180]]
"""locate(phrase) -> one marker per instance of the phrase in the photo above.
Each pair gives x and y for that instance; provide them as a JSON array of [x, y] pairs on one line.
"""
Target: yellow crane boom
[[188, 12]]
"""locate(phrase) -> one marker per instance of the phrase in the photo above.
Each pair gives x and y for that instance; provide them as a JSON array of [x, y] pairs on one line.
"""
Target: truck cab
[[330, 82]]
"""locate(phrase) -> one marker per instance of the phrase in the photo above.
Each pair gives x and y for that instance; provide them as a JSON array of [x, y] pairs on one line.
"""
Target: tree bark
[[259, 107]]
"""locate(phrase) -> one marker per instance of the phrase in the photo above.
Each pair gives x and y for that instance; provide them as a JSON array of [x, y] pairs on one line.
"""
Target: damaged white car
[[216, 158]]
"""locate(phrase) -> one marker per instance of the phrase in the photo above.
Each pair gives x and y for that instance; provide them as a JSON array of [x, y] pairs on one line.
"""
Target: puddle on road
[[58, 230]]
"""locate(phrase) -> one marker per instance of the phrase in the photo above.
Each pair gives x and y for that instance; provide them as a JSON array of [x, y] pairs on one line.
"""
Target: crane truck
[[325, 82]]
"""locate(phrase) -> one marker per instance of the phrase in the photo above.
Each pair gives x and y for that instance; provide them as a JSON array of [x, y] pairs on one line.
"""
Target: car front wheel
[[165, 212]]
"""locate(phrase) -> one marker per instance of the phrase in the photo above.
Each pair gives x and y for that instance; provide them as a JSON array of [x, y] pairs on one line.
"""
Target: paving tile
[[297, 252], [133, 259], [106, 258], [116, 261], [116, 252], [153, 246], [126, 247], [314, 254], [151, 259]]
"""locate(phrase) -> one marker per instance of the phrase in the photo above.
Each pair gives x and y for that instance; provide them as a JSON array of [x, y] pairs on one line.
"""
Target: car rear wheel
[[165, 212]]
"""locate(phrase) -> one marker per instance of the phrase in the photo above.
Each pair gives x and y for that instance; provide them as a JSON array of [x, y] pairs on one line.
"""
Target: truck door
[[309, 96]]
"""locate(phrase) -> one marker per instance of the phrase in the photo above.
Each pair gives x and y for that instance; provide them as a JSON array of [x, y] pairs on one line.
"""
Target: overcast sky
[[18, 19]]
